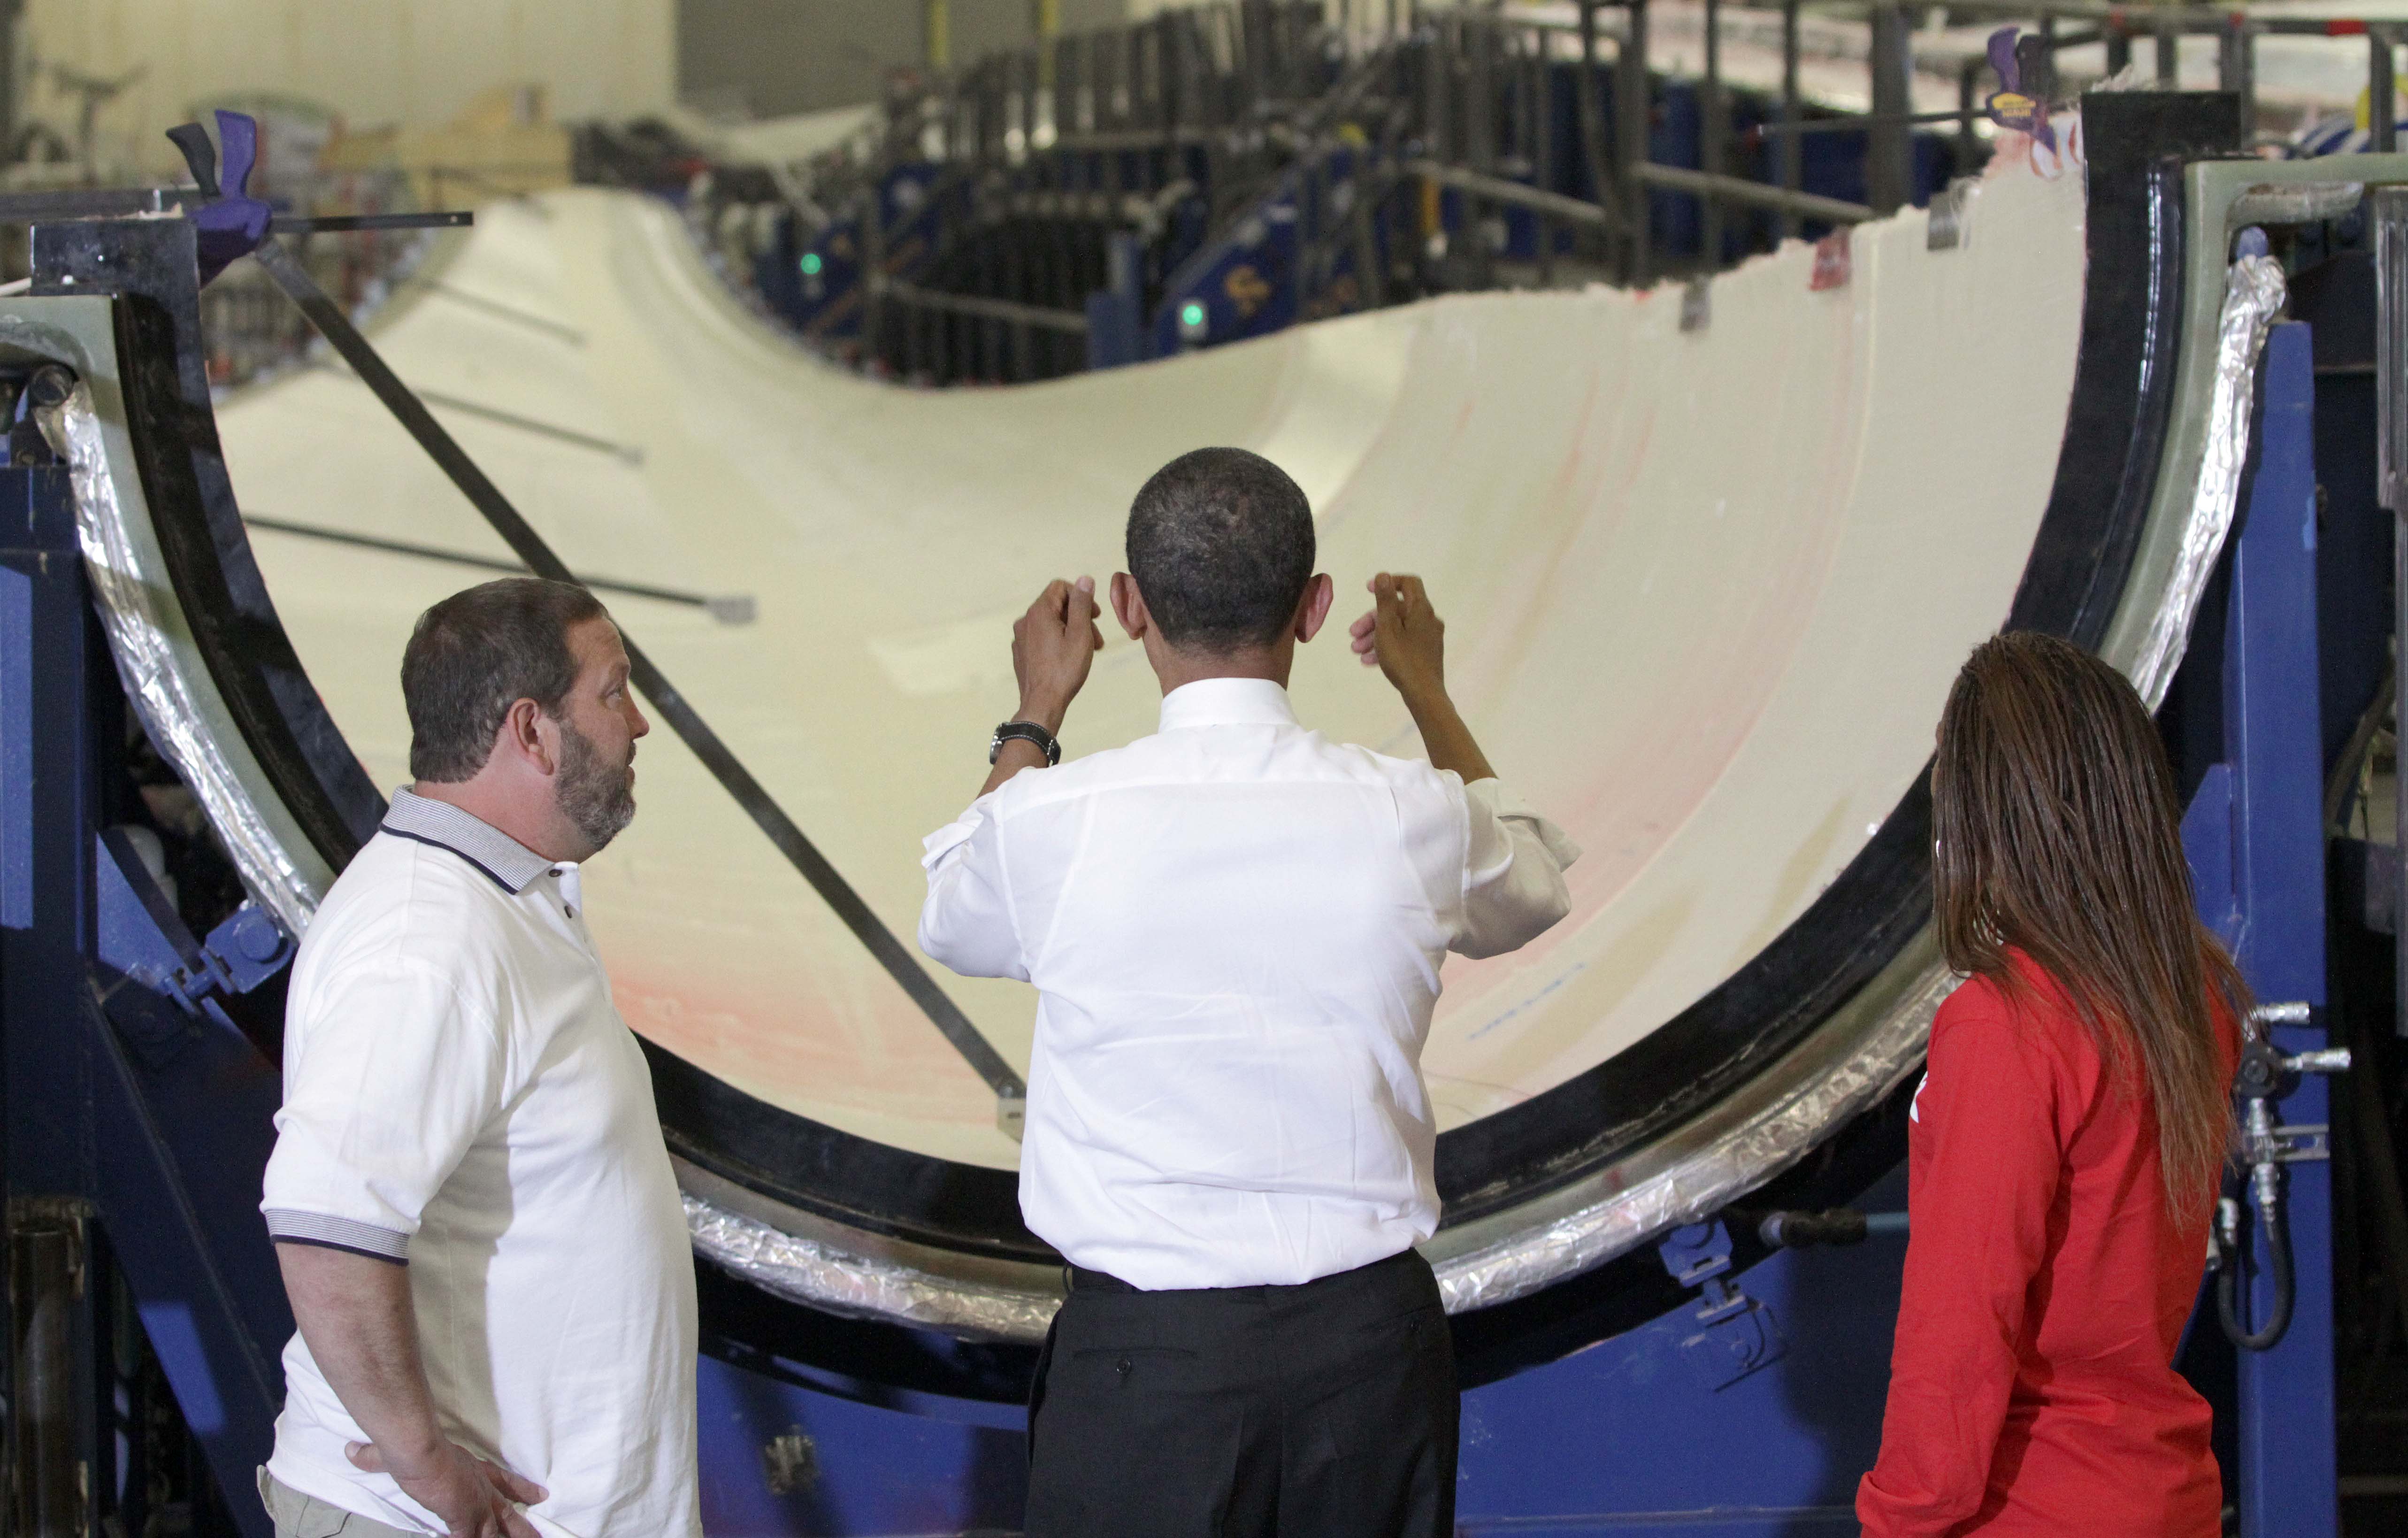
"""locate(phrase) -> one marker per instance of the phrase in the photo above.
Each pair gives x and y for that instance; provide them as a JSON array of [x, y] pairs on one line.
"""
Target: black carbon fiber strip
[[900, 964]]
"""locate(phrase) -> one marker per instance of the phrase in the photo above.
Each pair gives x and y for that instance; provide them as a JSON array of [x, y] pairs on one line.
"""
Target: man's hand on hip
[[470, 1497], [1052, 646], [1404, 637]]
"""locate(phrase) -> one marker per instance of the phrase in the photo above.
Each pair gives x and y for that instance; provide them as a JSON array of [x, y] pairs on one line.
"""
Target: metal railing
[[1445, 124]]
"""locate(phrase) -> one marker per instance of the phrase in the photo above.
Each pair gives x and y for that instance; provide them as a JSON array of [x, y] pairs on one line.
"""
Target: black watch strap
[[1028, 731]]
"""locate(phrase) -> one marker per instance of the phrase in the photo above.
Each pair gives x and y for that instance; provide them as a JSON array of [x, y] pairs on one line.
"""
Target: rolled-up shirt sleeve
[[966, 922], [1513, 872], [384, 1092]]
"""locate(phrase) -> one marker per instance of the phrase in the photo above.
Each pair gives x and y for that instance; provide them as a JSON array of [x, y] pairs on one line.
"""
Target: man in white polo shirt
[[1235, 928], [480, 1230]]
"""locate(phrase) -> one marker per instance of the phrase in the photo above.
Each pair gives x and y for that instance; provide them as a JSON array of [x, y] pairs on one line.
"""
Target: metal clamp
[[1735, 1334]]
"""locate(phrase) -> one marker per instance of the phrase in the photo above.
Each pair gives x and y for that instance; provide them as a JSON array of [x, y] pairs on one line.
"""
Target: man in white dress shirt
[[480, 1230], [1235, 928]]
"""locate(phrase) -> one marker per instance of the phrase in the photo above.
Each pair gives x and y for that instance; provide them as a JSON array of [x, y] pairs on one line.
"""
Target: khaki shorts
[[299, 1516]]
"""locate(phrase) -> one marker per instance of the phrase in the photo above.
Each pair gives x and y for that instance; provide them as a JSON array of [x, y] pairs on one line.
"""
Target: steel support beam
[[1634, 111], [2288, 1480], [1889, 150], [1713, 119], [2388, 207], [1793, 150], [1679, 179], [2382, 91]]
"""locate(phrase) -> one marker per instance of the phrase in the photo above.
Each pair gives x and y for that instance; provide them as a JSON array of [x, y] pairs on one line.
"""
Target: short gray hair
[[479, 652]]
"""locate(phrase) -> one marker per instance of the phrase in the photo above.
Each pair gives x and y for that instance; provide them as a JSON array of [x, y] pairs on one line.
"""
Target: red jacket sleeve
[[1983, 1171]]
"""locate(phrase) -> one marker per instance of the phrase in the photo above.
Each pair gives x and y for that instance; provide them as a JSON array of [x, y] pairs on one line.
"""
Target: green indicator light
[[810, 264], [1191, 313]]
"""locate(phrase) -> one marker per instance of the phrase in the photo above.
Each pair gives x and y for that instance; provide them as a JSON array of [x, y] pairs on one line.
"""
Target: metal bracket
[[1733, 1334], [1950, 224], [2300, 1142], [1696, 303], [145, 943], [2296, 203]]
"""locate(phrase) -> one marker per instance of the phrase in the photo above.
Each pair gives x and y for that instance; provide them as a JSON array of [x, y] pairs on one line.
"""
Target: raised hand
[[1403, 636], [1052, 646], [471, 1496]]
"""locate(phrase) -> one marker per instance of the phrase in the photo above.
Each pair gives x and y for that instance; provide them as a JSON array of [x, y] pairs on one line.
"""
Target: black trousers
[[1327, 1410]]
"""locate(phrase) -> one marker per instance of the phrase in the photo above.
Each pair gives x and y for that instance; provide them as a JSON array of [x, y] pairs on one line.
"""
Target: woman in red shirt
[[2064, 1147]]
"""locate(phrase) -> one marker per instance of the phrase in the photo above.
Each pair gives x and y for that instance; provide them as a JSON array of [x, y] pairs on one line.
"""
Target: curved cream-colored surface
[[1704, 590]]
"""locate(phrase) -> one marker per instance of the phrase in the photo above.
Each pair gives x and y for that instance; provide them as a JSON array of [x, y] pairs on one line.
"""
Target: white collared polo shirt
[[461, 1097]]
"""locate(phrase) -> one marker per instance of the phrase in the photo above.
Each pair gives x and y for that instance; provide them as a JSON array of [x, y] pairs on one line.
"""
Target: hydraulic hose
[[2229, 1267]]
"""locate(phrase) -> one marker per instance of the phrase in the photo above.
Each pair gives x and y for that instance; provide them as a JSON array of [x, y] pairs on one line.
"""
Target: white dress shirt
[[461, 1097], [1235, 927]]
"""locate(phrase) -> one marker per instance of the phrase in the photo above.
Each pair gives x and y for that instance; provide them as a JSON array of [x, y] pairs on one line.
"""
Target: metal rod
[[2382, 94], [1635, 109], [1793, 150], [626, 452], [1968, 96], [2190, 18], [2233, 72], [568, 334], [1857, 122], [936, 35], [706, 744], [873, 269], [1890, 143], [337, 223], [2389, 207], [1679, 179], [1592, 117], [1712, 155], [1006, 311], [482, 563], [1498, 190], [50, 1308], [1480, 134], [94, 203], [1540, 145], [2169, 52]]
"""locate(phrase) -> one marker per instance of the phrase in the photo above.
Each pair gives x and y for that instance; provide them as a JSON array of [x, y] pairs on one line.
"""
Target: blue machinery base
[[145, 1310]]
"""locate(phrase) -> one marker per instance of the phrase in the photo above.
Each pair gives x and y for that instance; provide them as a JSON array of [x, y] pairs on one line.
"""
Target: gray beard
[[597, 798]]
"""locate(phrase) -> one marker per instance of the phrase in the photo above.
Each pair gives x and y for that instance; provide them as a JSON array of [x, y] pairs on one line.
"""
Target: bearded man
[[477, 1225]]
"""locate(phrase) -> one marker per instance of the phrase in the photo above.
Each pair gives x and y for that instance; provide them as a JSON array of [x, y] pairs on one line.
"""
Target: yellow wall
[[412, 63]]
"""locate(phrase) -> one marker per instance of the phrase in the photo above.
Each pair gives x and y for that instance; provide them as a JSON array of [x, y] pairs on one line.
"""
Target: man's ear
[[525, 736], [1319, 593], [1128, 606]]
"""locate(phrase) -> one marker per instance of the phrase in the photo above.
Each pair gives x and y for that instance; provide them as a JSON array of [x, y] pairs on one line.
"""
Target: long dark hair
[[2058, 835]]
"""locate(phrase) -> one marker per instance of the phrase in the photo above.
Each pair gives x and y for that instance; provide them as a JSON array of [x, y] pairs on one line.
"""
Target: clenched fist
[[1403, 636], [1052, 646]]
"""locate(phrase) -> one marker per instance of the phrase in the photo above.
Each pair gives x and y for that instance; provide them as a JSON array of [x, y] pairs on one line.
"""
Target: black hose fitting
[[1802, 1230]]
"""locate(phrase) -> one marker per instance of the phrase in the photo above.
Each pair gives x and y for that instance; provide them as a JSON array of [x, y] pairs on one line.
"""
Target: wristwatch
[[1028, 731]]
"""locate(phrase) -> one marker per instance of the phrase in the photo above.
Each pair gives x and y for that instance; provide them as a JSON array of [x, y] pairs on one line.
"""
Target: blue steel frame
[[2255, 834], [149, 1116]]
